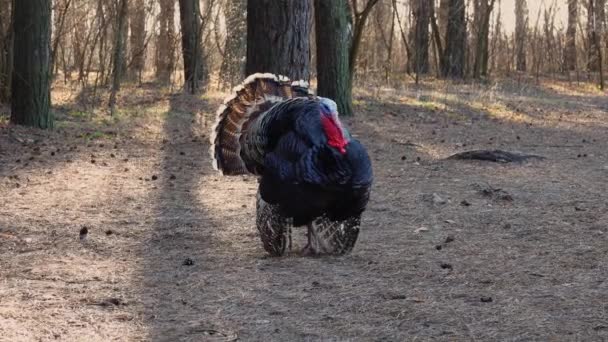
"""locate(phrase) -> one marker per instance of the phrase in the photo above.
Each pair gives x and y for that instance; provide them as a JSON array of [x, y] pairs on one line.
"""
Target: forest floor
[[449, 250]]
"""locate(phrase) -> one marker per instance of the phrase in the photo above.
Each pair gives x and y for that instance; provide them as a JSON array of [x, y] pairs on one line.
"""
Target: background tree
[[119, 52], [165, 46], [454, 56], [595, 28], [137, 23], [521, 28], [6, 49], [31, 95], [570, 49], [333, 40], [442, 18], [359, 17], [482, 13], [191, 43], [278, 37], [421, 11], [235, 47]]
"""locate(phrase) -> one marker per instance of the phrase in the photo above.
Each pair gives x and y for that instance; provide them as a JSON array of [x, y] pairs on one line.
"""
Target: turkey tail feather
[[250, 100]]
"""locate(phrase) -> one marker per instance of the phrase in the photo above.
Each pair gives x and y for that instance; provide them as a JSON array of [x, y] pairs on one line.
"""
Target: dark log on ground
[[497, 156]]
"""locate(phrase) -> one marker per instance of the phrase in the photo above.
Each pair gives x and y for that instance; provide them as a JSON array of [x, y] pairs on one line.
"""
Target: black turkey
[[311, 171]]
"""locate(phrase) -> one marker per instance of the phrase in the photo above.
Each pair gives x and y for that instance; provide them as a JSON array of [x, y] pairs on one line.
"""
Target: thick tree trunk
[[443, 17], [31, 95], [123, 32], [165, 48], [454, 58], [521, 28], [233, 64], [483, 9], [422, 16], [360, 19], [570, 49], [137, 23], [595, 29], [191, 44], [333, 45], [6, 49], [117, 71], [278, 37]]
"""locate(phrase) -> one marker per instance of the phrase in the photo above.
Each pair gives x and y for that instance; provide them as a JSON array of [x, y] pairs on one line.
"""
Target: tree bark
[[422, 15], [278, 37], [595, 29], [31, 82], [165, 46], [333, 45], [570, 49], [483, 9], [454, 56], [137, 23], [521, 28], [443, 18], [118, 54], [6, 49], [233, 67], [360, 19], [190, 18]]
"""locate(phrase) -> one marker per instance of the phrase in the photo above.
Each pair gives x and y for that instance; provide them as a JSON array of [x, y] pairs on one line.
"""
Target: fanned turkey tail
[[250, 100]]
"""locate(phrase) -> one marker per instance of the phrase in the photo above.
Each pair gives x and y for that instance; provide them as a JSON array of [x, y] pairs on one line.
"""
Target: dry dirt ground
[[450, 250]]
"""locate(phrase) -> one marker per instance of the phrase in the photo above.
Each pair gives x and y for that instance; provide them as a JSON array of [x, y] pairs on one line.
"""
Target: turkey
[[311, 172]]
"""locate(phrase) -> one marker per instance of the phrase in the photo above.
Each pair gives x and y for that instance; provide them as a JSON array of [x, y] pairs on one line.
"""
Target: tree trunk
[[422, 15], [595, 29], [6, 49], [138, 39], [360, 19], [31, 95], [190, 18], [118, 54], [233, 67], [443, 18], [123, 32], [278, 37], [60, 16], [570, 49], [333, 40], [165, 46], [483, 9], [454, 58], [521, 28]]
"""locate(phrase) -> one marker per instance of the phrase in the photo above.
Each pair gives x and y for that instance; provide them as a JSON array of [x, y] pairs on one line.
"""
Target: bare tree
[[421, 11], [6, 49], [137, 23], [360, 19], [232, 68], [595, 29], [333, 47], [278, 37], [31, 88], [165, 46], [570, 49], [453, 63], [118, 53], [521, 28], [482, 12], [190, 18]]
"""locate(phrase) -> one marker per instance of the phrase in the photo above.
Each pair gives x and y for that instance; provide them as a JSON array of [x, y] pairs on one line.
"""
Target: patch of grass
[[95, 135], [79, 114]]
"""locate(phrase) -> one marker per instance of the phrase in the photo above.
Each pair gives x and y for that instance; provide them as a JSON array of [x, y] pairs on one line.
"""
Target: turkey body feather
[[312, 172]]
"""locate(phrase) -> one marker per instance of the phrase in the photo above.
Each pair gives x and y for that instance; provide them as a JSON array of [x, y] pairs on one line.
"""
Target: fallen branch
[[497, 156]]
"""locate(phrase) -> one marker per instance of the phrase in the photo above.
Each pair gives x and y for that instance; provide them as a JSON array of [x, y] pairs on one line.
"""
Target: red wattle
[[335, 138]]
